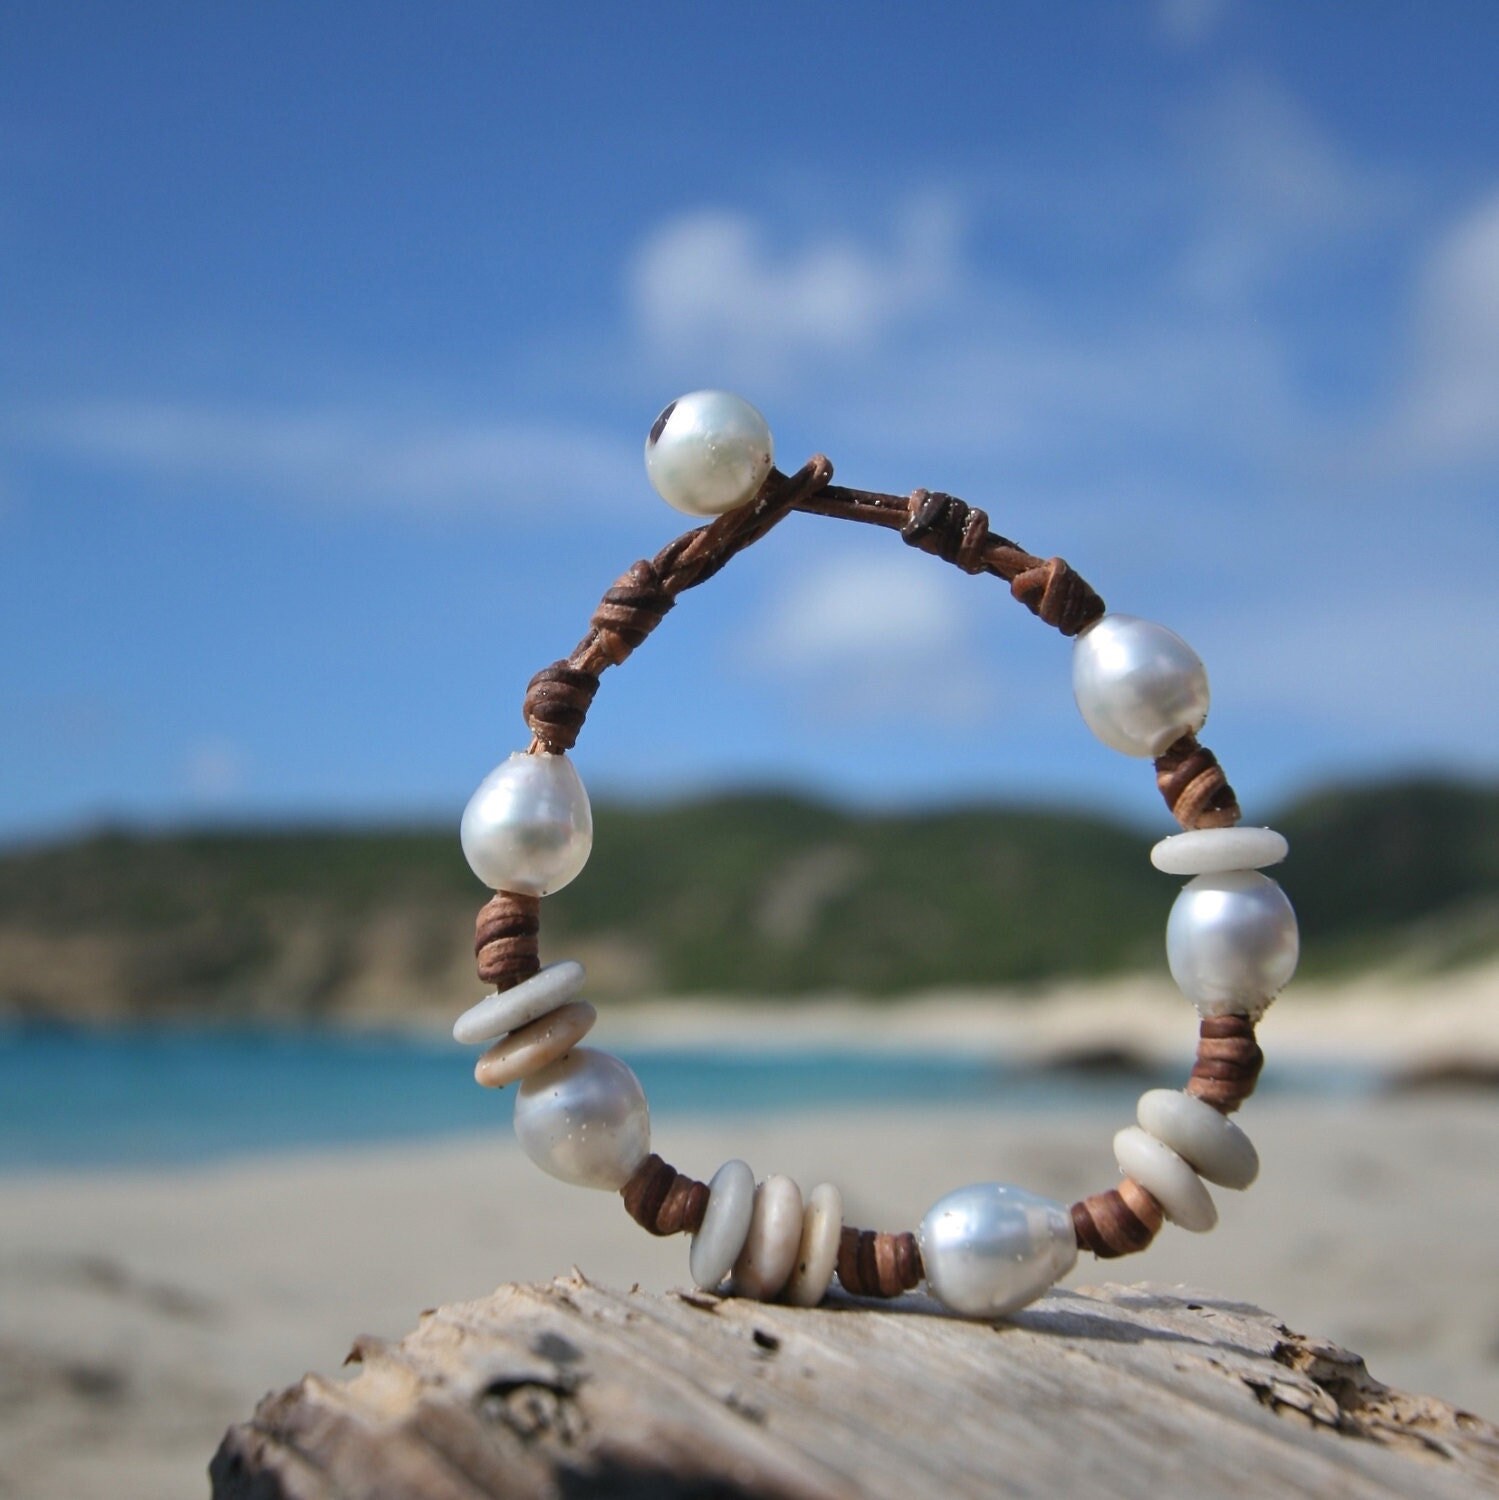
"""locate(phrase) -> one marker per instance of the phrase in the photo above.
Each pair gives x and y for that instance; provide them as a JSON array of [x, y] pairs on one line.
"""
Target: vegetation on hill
[[763, 894]]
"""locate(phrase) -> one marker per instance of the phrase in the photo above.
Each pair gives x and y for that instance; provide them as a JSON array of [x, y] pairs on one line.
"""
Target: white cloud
[[949, 337], [343, 457], [1451, 410], [713, 280], [866, 637], [1188, 24], [1272, 185], [214, 771]]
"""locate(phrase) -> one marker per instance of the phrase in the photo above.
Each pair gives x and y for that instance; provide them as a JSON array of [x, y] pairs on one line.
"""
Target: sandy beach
[[142, 1312]]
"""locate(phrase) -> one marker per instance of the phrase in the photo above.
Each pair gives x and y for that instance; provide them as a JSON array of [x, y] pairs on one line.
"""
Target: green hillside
[[750, 894]]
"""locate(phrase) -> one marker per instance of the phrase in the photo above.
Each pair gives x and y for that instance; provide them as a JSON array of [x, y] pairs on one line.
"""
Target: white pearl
[[523, 1003], [1209, 1142], [584, 1119], [817, 1254], [529, 827], [1167, 1178], [990, 1248], [1231, 942], [1140, 686], [530, 1049], [708, 452], [765, 1263], [1210, 851], [725, 1227]]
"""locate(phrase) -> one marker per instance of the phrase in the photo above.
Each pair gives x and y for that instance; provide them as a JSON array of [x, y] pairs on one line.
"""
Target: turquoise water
[[73, 1099]]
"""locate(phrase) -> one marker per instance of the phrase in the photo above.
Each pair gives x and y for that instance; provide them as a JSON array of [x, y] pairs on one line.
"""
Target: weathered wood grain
[[572, 1389]]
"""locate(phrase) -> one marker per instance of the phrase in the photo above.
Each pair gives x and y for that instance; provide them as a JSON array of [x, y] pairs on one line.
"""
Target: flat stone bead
[[511, 1009], [1167, 1178], [768, 1258], [1211, 851], [1210, 1143], [817, 1254], [531, 1048], [725, 1226]]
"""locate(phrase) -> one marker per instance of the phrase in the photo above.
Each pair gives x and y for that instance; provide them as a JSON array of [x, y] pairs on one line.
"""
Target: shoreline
[[1393, 1024]]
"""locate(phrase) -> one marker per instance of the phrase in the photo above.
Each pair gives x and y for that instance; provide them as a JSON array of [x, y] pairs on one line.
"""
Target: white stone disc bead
[[768, 1258], [1210, 1143], [523, 1003], [1140, 687], [708, 453], [533, 1047], [726, 1223], [584, 1119], [817, 1254], [1232, 942], [1211, 851], [529, 827], [990, 1248], [1166, 1177]]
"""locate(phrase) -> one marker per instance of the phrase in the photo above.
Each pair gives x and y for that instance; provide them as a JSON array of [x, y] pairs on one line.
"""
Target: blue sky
[[329, 337]]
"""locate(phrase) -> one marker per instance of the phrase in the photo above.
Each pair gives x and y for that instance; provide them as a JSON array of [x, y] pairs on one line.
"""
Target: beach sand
[[142, 1312]]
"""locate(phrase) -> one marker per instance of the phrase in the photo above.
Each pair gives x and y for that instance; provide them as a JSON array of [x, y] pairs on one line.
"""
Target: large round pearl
[[529, 827], [708, 452], [1231, 941], [584, 1119], [1140, 686], [991, 1248]]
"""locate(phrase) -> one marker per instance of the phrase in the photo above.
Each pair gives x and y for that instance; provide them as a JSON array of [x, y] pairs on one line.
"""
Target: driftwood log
[[572, 1389]]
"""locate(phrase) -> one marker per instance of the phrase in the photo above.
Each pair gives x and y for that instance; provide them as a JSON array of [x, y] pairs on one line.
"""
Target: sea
[[146, 1096]]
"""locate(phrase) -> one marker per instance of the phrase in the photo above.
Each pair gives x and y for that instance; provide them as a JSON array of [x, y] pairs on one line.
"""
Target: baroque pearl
[[1232, 942], [1167, 1178], [708, 453], [817, 1254], [527, 1001], [990, 1248], [1140, 687], [726, 1223], [529, 827], [1210, 1143], [765, 1263], [1210, 851], [584, 1119]]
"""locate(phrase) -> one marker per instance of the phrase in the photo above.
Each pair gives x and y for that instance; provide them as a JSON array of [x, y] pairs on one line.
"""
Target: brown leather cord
[[558, 697], [505, 939], [1194, 786], [1121, 1221], [663, 1200], [875, 1264], [959, 533], [1228, 1062]]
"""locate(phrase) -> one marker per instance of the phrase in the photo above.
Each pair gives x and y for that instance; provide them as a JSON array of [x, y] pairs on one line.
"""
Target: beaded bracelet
[[982, 1250]]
